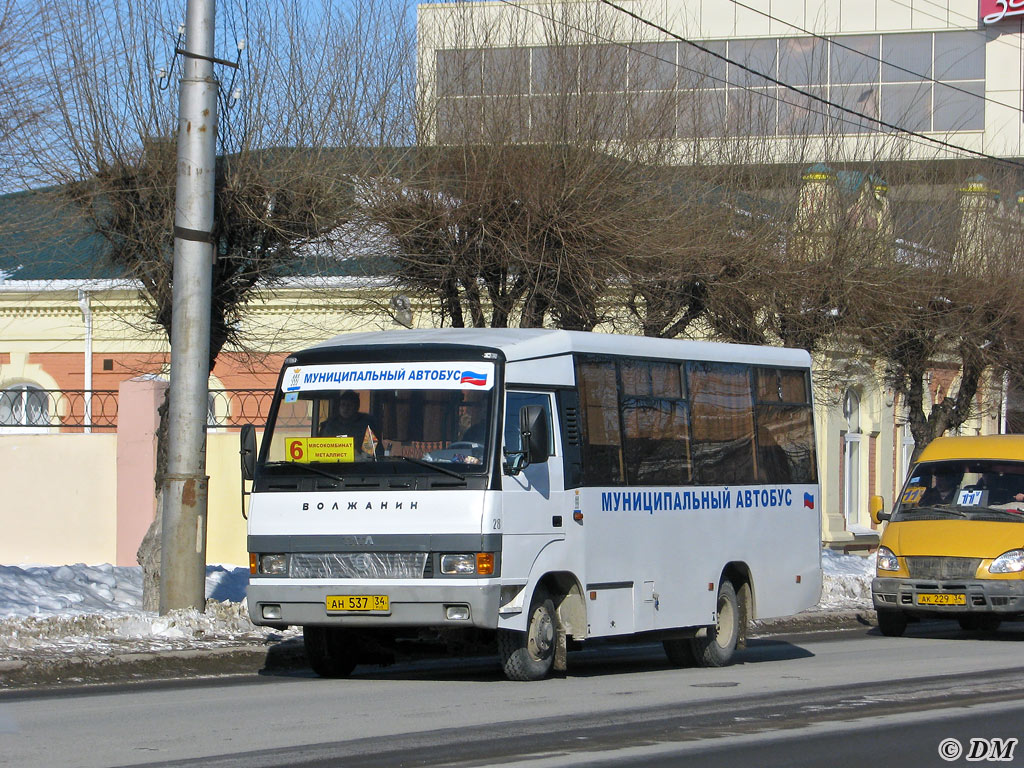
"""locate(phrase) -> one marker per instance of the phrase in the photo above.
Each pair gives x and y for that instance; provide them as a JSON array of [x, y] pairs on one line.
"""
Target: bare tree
[[539, 175], [20, 85], [316, 92]]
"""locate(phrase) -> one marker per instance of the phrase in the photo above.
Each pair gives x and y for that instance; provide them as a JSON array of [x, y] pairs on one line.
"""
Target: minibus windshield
[[971, 489], [338, 431]]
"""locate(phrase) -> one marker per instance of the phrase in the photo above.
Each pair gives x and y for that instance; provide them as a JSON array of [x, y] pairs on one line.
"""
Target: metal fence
[[29, 409]]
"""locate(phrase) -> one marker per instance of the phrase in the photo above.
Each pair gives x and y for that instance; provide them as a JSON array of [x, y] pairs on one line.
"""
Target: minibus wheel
[[329, 651], [716, 646], [985, 622], [530, 655], [892, 623]]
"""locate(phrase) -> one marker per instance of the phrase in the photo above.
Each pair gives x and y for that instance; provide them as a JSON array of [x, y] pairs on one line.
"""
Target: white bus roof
[[533, 343]]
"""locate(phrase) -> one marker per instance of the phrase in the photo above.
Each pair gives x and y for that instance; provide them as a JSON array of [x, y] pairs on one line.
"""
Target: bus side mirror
[[877, 508], [533, 434], [247, 437]]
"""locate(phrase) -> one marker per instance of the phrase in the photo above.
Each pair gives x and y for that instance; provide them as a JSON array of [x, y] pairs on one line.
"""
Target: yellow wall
[[225, 531], [59, 501]]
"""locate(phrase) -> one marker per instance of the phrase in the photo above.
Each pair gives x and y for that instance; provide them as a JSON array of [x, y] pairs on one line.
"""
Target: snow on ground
[[97, 609]]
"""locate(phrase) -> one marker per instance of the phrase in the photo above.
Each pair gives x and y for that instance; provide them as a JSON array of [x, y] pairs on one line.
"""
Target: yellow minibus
[[953, 546]]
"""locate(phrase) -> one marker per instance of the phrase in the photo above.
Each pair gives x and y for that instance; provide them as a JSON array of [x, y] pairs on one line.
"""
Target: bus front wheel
[[329, 650], [530, 655], [717, 645]]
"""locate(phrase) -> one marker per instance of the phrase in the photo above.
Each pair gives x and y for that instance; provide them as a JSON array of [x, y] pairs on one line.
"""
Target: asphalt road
[[850, 697]]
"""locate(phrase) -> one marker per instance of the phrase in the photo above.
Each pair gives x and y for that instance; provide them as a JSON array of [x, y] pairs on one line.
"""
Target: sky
[[97, 609]]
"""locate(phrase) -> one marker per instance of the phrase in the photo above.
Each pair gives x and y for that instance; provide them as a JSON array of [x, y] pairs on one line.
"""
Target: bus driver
[[346, 420]]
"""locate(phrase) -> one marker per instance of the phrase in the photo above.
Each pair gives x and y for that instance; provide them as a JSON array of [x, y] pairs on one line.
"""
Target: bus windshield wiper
[[431, 465], [307, 467], [1015, 513], [941, 510]]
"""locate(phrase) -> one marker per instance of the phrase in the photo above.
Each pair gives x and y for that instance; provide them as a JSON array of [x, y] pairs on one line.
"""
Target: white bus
[[535, 489]]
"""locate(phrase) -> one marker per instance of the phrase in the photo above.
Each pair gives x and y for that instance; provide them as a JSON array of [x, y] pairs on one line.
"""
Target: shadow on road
[[287, 659]]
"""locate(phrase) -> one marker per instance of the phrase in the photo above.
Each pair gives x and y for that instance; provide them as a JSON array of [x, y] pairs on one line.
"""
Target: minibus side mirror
[[247, 437], [533, 434], [877, 508]]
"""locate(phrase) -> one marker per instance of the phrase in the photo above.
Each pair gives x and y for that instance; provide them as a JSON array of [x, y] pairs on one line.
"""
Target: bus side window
[[514, 401]]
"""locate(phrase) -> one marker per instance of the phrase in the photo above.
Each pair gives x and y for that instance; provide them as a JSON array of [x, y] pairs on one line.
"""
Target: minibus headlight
[[274, 565], [455, 565], [1008, 562], [887, 561]]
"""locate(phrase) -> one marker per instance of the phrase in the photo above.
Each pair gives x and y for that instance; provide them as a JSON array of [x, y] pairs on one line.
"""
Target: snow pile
[[90, 609], [46, 591], [847, 581]]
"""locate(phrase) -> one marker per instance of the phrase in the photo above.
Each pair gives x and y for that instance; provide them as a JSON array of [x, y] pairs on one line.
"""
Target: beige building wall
[[59, 504]]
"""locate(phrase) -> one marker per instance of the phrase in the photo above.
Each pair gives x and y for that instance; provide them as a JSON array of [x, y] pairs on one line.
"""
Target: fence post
[[137, 424]]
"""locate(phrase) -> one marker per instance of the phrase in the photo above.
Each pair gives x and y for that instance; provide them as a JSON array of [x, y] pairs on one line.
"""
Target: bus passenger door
[[533, 510]]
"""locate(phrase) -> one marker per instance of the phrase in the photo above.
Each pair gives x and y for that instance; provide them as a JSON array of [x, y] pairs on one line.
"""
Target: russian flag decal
[[468, 377], [809, 500]]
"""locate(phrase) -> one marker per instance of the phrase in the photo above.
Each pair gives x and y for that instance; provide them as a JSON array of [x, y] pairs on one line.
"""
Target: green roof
[[43, 239]]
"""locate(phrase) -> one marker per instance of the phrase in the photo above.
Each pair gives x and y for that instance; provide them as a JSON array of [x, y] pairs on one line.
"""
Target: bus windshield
[[443, 421]]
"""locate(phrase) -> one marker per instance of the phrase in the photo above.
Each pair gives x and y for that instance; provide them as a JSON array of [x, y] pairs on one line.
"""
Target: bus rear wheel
[[679, 651], [715, 648], [530, 655], [329, 650]]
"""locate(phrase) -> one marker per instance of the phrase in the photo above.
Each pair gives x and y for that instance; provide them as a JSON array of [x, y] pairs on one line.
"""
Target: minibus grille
[[357, 565], [943, 567]]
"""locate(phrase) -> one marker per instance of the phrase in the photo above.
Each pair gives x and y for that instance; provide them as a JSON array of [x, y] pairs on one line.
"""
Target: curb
[[80, 670]]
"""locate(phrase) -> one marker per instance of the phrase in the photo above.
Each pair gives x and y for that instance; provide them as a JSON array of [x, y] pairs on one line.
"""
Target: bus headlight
[[457, 565], [274, 565], [470, 563], [1008, 562], [886, 560]]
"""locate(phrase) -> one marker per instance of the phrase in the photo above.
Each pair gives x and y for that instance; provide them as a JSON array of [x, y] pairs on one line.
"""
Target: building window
[[907, 444], [877, 77], [24, 405], [851, 459]]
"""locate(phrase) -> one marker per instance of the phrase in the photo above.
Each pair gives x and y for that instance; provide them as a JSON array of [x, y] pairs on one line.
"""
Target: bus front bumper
[[917, 596], [282, 602]]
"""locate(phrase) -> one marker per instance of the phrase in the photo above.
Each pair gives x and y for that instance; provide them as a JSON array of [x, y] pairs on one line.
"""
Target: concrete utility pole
[[183, 547]]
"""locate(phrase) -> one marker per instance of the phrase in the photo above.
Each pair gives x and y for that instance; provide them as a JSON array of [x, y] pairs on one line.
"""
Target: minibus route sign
[[338, 450]]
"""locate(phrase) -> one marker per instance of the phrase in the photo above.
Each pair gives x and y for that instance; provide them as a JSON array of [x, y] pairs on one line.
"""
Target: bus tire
[[329, 651], [716, 647], [530, 655], [892, 623], [680, 651]]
